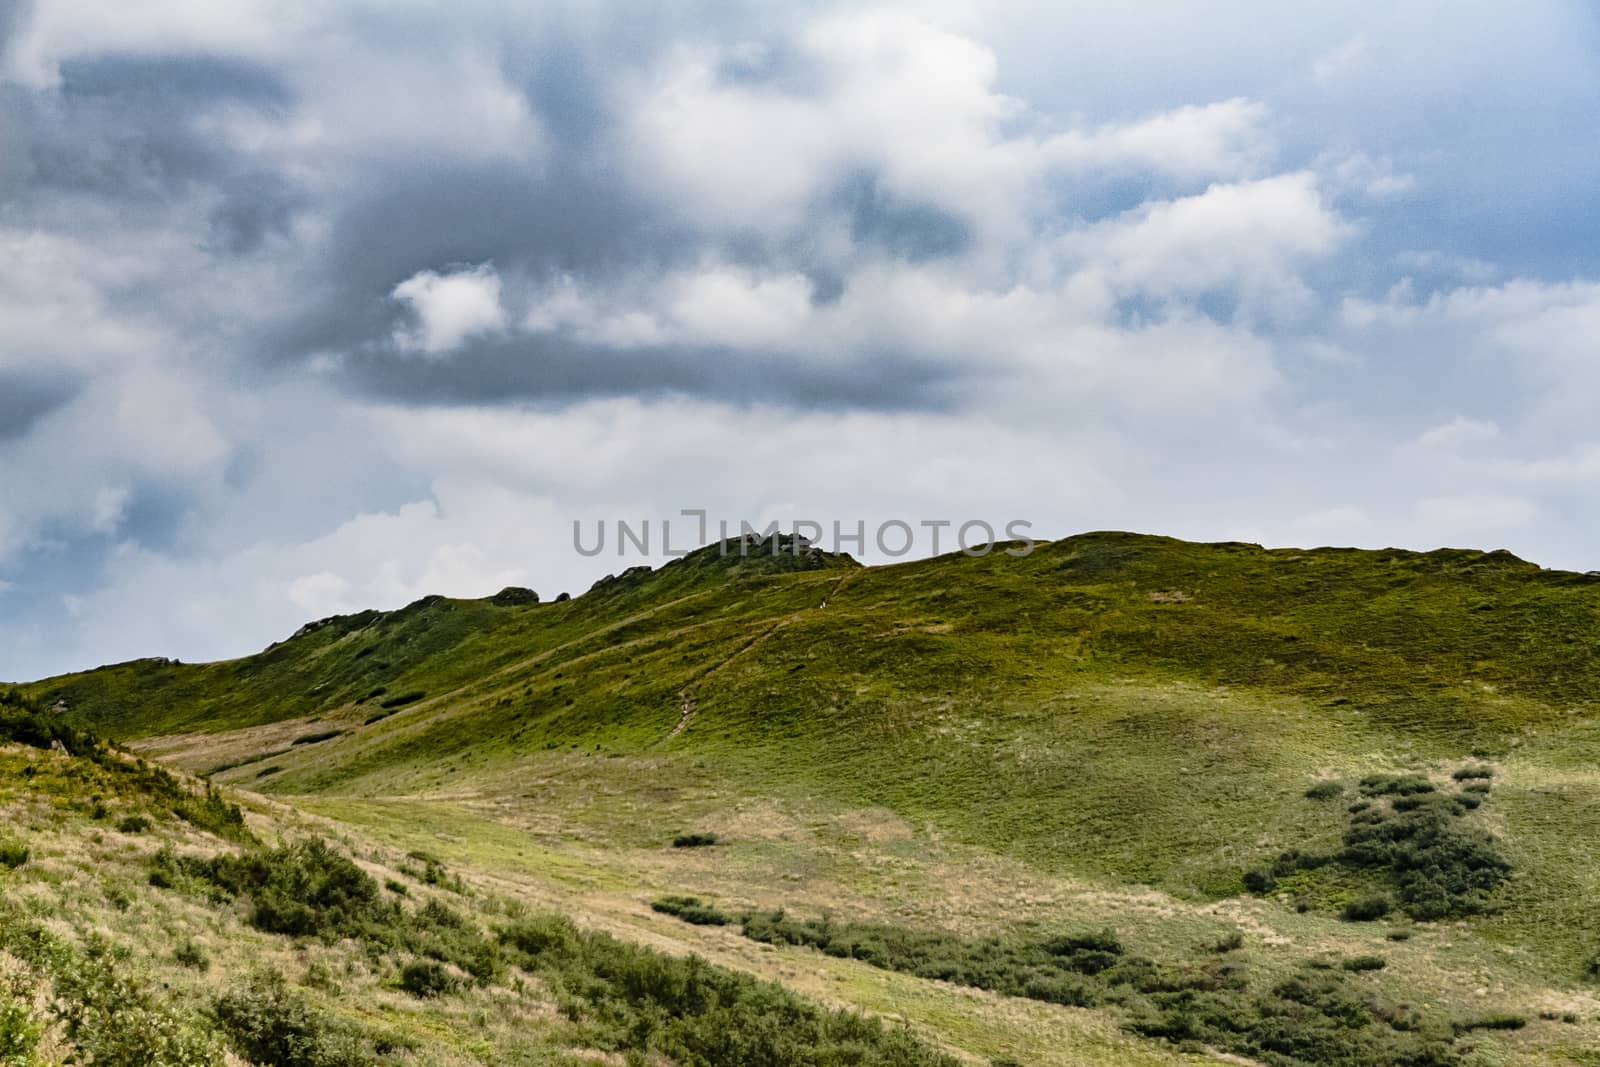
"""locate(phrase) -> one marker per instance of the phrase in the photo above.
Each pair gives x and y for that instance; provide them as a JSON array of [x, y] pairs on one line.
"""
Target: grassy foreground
[[1118, 732]]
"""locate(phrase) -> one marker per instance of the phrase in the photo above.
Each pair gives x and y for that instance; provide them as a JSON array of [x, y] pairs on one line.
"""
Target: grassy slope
[[1043, 735], [83, 891]]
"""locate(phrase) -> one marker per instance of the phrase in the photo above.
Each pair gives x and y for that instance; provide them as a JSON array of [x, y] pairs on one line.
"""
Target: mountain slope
[[1115, 729]]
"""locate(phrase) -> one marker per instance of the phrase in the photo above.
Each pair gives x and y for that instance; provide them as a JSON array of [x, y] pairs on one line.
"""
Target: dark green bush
[[19, 1031], [1494, 1022], [1316, 1017], [133, 824], [1364, 963], [1367, 909], [113, 1020], [426, 979], [402, 700], [694, 840], [1232, 941], [1437, 864], [13, 854], [317, 738], [1374, 785], [1325, 790], [1479, 772], [300, 890], [691, 910], [269, 1023], [1260, 881], [651, 1006], [192, 955]]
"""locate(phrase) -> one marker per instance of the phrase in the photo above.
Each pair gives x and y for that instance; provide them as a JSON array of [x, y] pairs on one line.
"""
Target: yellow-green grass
[[1110, 731]]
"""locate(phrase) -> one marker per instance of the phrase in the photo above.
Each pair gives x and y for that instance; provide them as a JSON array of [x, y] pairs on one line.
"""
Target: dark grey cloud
[[13, 16], [253, 208], [555, 370], [905, 230], [27, 397], [123, 130], [572, 218]]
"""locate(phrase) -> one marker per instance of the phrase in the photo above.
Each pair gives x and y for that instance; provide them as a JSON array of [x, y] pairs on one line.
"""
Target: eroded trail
[[686, 707]]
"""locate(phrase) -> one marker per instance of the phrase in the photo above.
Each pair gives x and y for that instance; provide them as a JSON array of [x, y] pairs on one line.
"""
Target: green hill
[[1183, 743]]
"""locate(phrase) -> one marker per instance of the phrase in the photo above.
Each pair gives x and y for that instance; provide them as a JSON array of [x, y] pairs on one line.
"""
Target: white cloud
[[65, 29], [732, 308], [1359, 174], [1471, 517], [1460, 432], [321, 595], [1221, 139], [1465, 268], [1340, 61], [450, 308], [110, 505], [1250, 235], [1536, 336], [711, 305], [910, 101], [357, 107]]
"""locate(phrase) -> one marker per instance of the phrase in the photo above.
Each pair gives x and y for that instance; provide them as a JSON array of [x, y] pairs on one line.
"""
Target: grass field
[[1109, 732]]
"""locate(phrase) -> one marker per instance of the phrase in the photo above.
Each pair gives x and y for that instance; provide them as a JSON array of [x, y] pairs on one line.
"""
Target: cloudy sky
[[312, 307]]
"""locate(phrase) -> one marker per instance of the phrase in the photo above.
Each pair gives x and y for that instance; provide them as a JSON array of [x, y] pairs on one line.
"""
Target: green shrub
[[19, 1033], [133, 824], [317, 738], [1318, 1016], [1325, 790], [1374, 785], [1260, 881], [402, 700], [653, 1007], [301, 890], [192, 955], [426, 979], [1232, 941], [694, 840], [269, 1023], [1477, 772], [13, 854], [1503, 1021], [691, 910], [111, 1018], [1438, 865], [1367, 909], [1364, 963]]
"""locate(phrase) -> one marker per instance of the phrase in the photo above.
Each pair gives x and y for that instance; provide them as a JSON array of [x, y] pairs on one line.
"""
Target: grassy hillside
[[147, 922], [1180, 742]]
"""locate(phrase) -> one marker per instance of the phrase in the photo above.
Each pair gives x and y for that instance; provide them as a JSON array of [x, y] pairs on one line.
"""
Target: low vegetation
[[24, 721], [1320, 1015], [1414, 841], [641, 1003], [1106, 733], [622, 998], [691, 910]]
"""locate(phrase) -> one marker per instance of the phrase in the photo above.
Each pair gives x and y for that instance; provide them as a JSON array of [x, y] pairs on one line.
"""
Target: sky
[[307, 308]]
